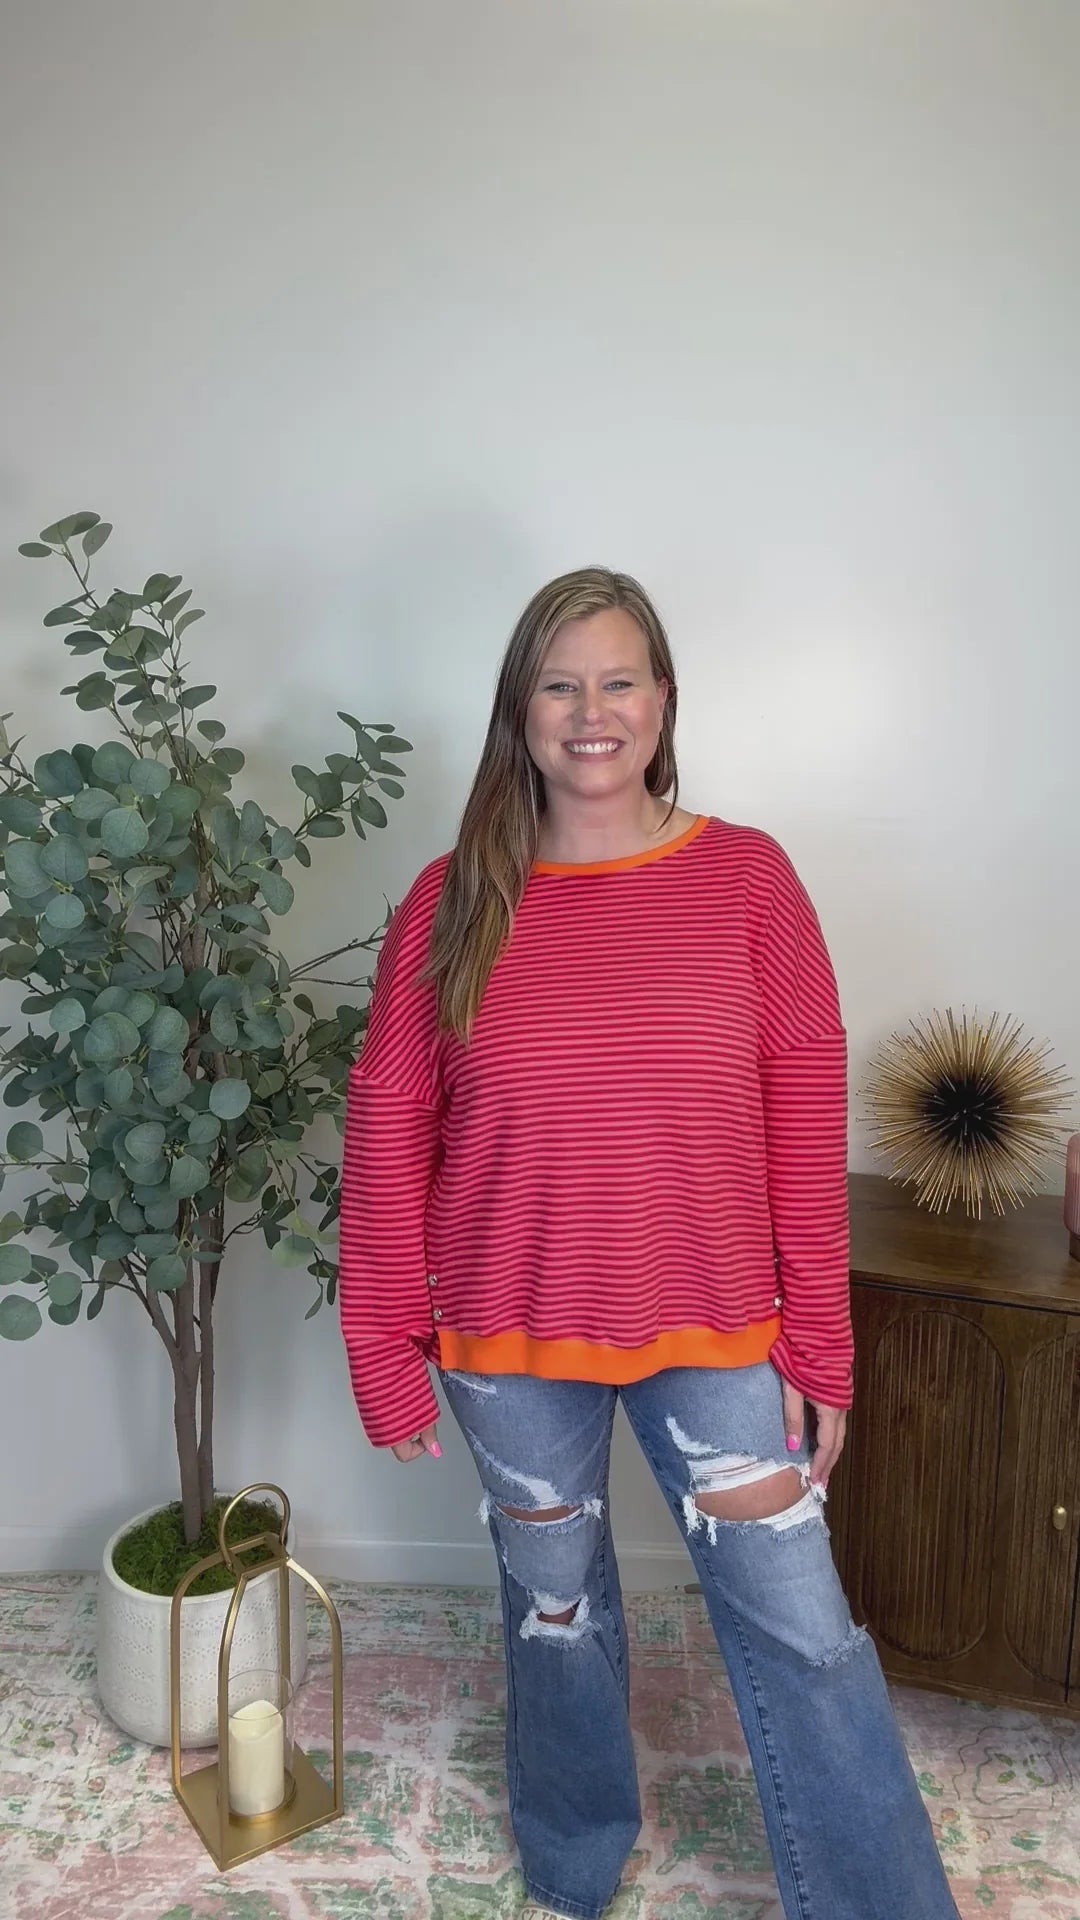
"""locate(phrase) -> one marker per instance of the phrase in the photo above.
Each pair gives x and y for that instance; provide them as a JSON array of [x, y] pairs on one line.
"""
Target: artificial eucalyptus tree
[[172, 1055]]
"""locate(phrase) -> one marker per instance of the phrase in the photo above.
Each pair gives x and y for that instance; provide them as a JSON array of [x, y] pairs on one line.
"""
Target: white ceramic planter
[[133, 1648]]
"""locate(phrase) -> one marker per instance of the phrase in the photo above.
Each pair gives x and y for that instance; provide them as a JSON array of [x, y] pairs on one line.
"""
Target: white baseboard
[[411, 1563], [49, 1550], [425, 1563]]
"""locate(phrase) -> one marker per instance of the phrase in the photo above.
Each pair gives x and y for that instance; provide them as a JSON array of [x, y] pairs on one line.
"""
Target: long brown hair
[[499, 831]]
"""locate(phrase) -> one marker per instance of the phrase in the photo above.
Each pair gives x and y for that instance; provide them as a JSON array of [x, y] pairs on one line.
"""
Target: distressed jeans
[[849, 1835]]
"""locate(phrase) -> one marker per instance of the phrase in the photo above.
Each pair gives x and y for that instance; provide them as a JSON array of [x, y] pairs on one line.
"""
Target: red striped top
[[644, 1143]]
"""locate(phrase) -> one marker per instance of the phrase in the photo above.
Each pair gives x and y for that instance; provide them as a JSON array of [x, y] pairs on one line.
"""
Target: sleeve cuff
[[393, 1391], [826, 1379]]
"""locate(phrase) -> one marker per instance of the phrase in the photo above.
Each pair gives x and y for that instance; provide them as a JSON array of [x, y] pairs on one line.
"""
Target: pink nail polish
[[793, 1443], [435, 1450]]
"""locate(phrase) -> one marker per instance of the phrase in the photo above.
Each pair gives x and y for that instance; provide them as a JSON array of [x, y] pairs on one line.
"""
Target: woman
[[596, 1147]]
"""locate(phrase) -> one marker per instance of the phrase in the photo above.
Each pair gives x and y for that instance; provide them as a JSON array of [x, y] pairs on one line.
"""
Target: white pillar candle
[[256, 1758]]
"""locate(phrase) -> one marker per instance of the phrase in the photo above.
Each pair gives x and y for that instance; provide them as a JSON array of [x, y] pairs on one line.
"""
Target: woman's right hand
[[414, 1449]]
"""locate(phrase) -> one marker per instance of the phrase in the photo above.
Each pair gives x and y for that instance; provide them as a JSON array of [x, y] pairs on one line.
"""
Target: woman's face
[[594, 719]]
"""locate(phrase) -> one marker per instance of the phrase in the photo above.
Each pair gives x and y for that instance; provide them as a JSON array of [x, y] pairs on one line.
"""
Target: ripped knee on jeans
[[740, 1489], [548, 1614], [755, 1493], [551, 1616], [549, 1619]]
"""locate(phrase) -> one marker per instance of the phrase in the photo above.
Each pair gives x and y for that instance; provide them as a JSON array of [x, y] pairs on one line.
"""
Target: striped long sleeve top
[[639, 1160]]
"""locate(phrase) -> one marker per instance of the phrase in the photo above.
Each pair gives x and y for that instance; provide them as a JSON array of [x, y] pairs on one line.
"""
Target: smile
[[592, 747]]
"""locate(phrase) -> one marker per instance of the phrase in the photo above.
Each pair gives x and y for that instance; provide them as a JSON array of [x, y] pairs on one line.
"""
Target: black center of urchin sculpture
[[970, 1111]]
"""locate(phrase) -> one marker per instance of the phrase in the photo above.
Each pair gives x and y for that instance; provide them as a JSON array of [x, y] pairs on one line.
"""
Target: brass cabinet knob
[[1060, 1516]]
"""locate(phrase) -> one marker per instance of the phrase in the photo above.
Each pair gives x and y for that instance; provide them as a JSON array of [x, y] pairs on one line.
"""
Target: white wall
[[369, 318]]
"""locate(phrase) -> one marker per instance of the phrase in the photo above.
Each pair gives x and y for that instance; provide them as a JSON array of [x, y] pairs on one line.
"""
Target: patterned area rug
[[90, 1829]]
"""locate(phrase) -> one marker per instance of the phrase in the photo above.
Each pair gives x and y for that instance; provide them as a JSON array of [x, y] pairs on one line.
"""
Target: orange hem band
[[607, 1366]]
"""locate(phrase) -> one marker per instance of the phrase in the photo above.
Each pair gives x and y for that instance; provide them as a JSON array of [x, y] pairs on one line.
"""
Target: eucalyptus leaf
[[107, 1183], [112, 1244], [223, 1025], [160, 1212], [277, 891], [64, 530], [153, 1244], [92, 803], [65, 912], [113, 999], [168, 1081], [229, 1098], [148, 777], [307, 781], [23, 868], [19, 1318], [15, 1265], [19, 814], [369, 810], [111, 763], [167, 1031], [117, 1087], [166, 1273], [141, 1006], [291, 1251], [25, 1141], [188, 1176], [96, 537], [129, 1216], [124, 832], [64, 1288], [145, 1141], [94, 693], [57, 775], [109, 1038]]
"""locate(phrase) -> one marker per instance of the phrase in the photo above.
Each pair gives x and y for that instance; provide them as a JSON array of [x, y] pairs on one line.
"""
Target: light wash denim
[[849, 1834]]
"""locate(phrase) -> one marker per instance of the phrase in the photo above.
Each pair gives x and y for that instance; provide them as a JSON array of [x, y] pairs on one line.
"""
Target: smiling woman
[[596, 1149]]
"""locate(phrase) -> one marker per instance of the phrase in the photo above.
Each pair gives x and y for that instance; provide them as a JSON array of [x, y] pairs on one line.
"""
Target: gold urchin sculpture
[[966, 1109]]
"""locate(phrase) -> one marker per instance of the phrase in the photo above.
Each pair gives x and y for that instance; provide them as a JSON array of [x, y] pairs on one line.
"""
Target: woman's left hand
[[830, 1425]]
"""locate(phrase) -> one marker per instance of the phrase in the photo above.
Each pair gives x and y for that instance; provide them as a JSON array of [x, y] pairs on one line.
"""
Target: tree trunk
[[185, 1407], [206, 1386], [187, 1453]]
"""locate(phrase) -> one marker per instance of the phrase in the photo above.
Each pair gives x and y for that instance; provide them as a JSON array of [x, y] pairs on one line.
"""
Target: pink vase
[[1072, 1194]]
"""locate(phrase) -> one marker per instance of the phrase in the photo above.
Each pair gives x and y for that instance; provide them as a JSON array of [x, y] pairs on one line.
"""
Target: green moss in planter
[[154, 1555]]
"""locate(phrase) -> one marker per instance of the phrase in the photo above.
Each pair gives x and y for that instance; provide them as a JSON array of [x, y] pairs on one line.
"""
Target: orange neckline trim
[[631, 860]]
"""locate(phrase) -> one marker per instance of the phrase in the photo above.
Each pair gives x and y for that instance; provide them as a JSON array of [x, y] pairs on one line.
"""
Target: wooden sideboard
[[955, 1508]]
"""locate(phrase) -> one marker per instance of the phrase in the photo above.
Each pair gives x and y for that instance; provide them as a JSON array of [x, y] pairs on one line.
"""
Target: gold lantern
[[262, 1790]]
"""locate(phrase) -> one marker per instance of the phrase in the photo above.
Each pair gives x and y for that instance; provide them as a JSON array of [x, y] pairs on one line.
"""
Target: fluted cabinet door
[[1041, 1592], [934, 1386]]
